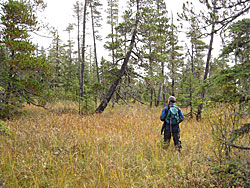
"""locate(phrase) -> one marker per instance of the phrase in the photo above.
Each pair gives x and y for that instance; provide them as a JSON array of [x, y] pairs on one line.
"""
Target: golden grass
[[120, 148]]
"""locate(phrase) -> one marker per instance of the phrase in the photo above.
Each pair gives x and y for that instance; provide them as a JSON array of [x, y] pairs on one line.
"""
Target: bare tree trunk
[[159, 96], [113, 87], [151, 74], [172, 82], [164, 93], [198, 116], [78, 51], [172, 61], [70, 58], [94, 41], [161, 88], [191, 100], [112, 32], [83, 54], [191, 81], [155, 96], [57, 53], [151, 97]]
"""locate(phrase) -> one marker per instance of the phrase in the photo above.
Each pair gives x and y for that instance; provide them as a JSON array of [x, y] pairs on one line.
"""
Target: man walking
[[172, 117]]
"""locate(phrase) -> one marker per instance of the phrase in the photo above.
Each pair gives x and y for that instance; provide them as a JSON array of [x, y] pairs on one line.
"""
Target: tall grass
[[120, 148]]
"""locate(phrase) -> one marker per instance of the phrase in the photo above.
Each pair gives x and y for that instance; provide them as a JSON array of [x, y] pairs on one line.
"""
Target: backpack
[[173, 116]]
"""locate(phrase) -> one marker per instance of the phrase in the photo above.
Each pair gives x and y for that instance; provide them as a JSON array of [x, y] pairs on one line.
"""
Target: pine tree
[[69, 62], [96, 19], [193, 72], [114, 85], [175, 59], [23, 75], [112, 11], [214, 18], [232, 84], [82, 67]]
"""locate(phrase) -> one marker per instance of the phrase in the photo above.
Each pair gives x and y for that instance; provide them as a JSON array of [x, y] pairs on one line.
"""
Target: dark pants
[[176, 137]]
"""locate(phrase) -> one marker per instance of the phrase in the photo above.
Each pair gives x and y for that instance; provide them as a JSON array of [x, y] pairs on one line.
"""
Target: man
[[172, 117]]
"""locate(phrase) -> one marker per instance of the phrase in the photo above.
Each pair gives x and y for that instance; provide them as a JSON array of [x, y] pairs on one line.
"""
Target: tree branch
[[233, 5], [239, 147], [238, 132]]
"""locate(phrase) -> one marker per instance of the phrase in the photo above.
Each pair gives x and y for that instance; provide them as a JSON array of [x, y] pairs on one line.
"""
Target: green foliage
[[238, 41], [229, 84], [4, 129], [23, 75]]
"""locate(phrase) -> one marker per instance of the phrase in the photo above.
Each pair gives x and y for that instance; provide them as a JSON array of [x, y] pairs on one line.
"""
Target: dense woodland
[[200, 56]]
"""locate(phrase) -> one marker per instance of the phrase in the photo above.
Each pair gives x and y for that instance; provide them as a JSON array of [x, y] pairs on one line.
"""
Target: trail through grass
[[120, 148]]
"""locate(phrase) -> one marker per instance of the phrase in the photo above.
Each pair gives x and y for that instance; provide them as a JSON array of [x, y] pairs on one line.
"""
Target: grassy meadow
[[120, 148]]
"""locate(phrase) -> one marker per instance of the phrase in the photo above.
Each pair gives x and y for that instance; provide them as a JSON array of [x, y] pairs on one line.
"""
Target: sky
[[59, 13]]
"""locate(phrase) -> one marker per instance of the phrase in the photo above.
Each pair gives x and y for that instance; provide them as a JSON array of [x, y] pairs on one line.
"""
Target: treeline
[[147, 60]]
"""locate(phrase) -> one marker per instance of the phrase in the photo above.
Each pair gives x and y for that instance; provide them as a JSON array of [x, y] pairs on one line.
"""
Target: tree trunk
[[112, 32], [164, 93], [57, 53], [151, 97], [83, 53], [159, 96], [94, 41], [78, 52], [172, 83], [198, 116], [155, 96], [191, 100], [70, 59], [114, 85], [191, 82], [172, 60]]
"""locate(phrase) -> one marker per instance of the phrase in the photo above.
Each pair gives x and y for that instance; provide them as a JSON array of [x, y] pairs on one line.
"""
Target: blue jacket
[[164, 115]]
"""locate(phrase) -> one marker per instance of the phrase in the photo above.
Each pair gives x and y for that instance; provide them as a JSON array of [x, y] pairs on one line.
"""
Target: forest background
[[150, 54]]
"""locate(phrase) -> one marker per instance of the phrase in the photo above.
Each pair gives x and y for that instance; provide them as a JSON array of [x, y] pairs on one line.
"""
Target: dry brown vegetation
[[120, 148]]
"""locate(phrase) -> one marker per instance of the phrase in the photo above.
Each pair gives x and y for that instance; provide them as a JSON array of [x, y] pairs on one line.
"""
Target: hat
[[172, 99]]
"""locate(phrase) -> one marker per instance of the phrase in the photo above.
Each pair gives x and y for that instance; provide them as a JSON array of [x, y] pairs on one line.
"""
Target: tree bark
[[94, 41], [200, 107], [78, 51], [83, 54], [114, 85], [164, 93], [159, 96]]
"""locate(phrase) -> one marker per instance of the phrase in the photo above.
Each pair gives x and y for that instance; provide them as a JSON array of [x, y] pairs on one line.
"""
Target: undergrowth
[[120, 148]]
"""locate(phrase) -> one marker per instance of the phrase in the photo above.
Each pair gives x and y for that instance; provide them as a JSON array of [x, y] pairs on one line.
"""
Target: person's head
[[171, 99]]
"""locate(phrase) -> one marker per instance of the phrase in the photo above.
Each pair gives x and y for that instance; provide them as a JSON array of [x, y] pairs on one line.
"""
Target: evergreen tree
[[96, 19], [215, 17], [154, 29], [82, 67], [175, 59], [193, 72], [69, 62], [114, 85], [162, 28], [22, 76], [232, 84], [112, 17]]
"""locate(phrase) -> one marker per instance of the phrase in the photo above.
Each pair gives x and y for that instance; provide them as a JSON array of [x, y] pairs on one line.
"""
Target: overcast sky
[[59, 13]]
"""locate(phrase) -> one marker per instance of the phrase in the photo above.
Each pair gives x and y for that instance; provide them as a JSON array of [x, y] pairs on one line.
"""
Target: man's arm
[[163, 114]]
